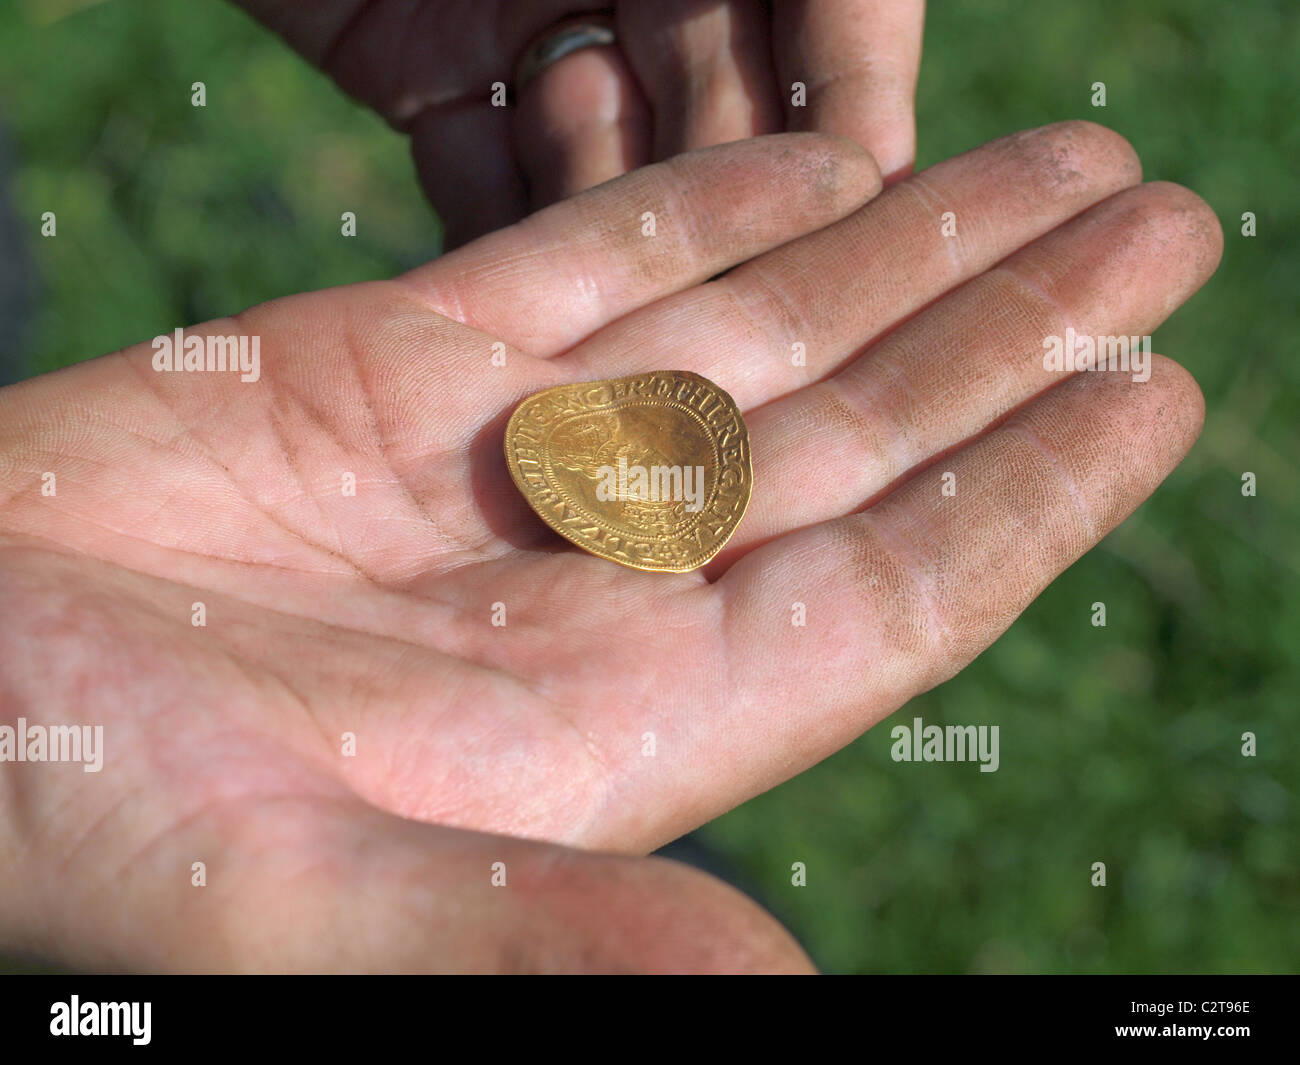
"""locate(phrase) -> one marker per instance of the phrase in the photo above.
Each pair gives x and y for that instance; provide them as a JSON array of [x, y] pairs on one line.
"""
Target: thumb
[[314, 885]]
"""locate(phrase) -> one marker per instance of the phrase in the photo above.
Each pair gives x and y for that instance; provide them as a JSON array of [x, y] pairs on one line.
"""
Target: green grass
[[1119, 744]]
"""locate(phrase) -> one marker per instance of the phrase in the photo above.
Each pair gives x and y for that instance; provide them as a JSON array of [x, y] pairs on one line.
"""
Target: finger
[[580, 122], [431, 73], [900, 597], [1120, 269], [557, 276], [466, 164], [858, 61], [284, 876], [706, 69], [824, 297]]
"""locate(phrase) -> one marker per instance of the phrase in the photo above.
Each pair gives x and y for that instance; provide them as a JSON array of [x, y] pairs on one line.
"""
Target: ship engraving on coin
[[651, 471]]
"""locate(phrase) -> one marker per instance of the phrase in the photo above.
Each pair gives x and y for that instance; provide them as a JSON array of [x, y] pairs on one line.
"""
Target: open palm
[[359, 755]]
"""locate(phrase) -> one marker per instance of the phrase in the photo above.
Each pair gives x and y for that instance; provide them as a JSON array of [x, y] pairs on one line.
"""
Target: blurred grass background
[[1118, 744]]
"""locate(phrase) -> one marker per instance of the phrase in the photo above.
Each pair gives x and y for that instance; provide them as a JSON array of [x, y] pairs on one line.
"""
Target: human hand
[[681, 75], [370, 614]]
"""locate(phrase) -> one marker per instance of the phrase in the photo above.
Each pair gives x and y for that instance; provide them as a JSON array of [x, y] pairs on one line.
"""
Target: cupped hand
[[683, 74], [373, 773]]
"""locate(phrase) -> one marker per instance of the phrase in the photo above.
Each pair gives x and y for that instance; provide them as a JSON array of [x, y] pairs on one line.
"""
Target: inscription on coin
[[651, 471]]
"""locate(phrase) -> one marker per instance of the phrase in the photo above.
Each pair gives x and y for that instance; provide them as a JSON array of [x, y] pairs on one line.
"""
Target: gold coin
[[651, 471]]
